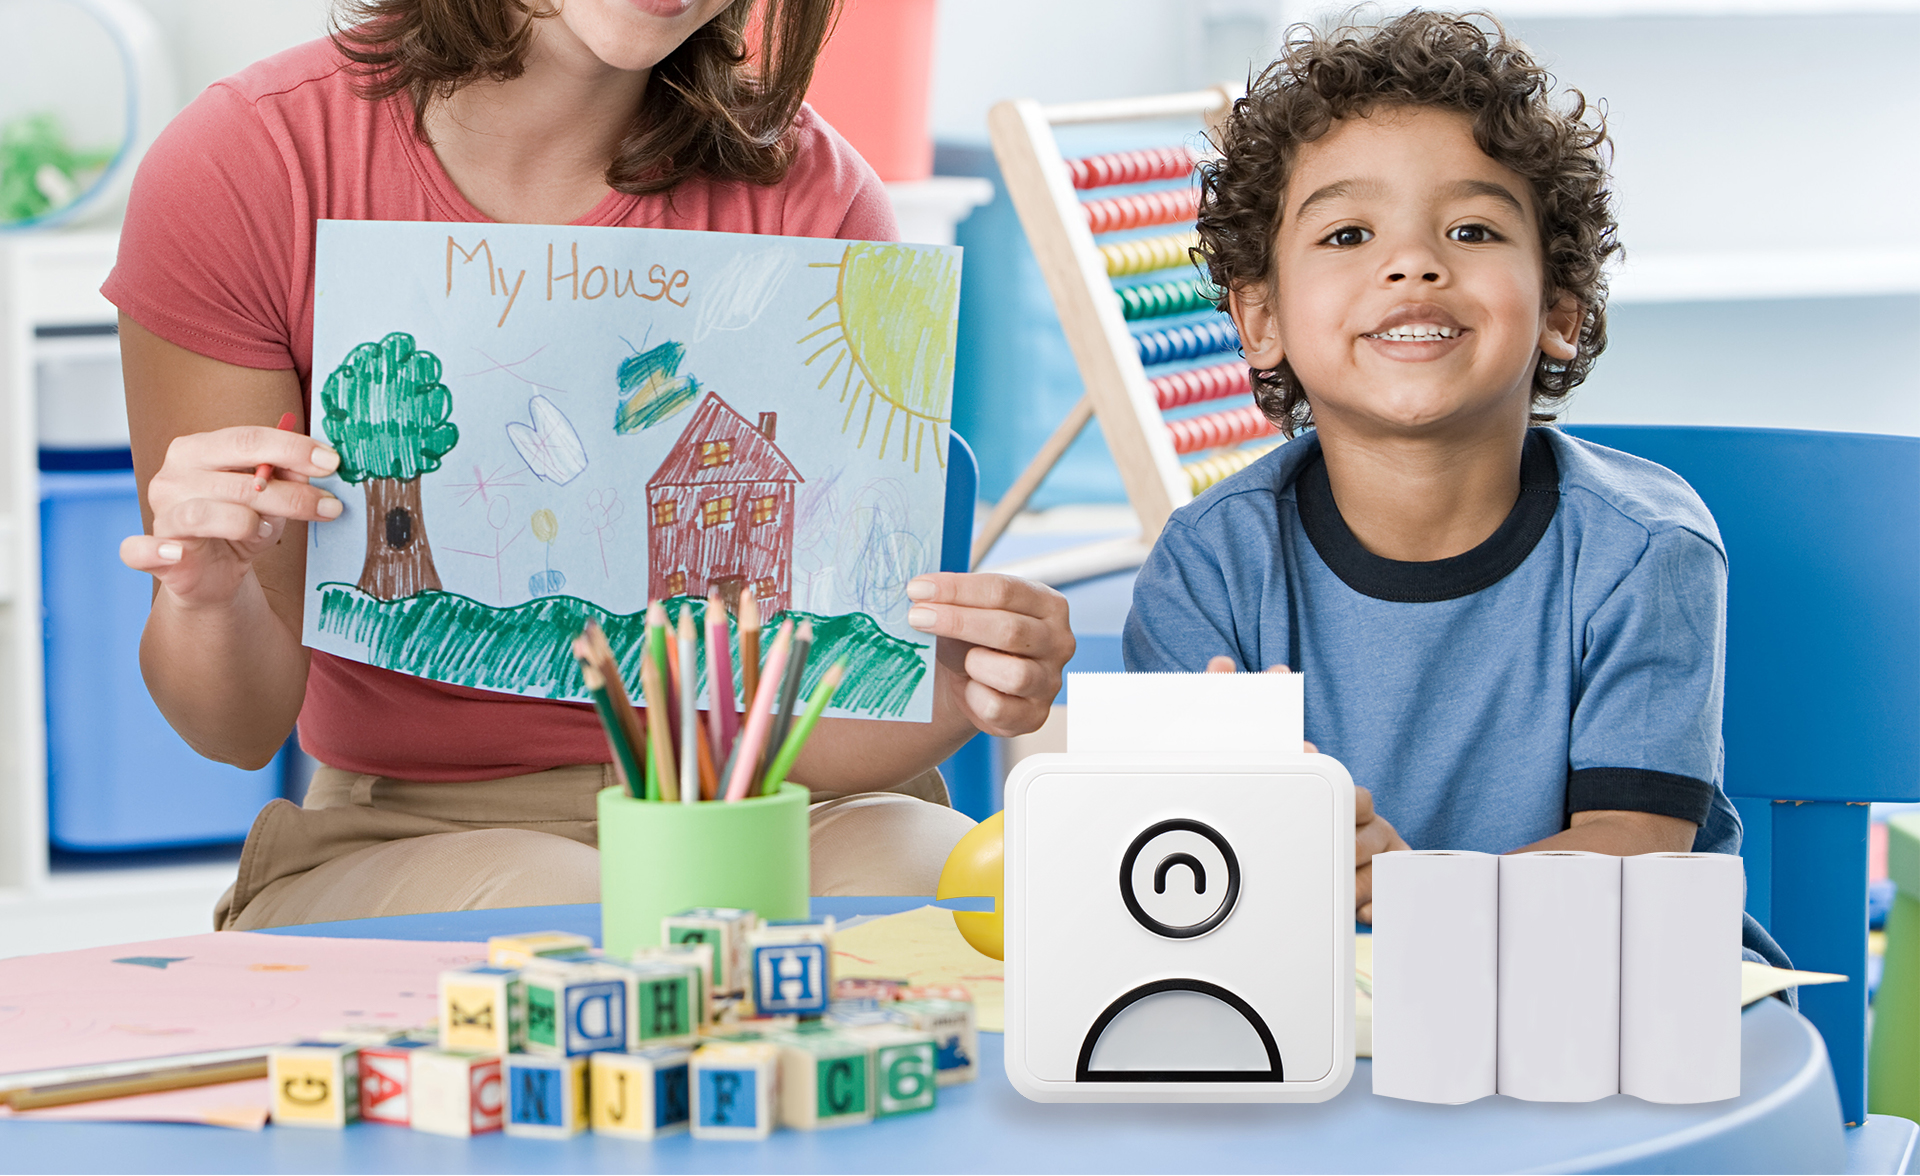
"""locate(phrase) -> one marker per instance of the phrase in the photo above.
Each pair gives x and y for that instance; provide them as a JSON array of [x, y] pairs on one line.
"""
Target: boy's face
[[1408, 281]]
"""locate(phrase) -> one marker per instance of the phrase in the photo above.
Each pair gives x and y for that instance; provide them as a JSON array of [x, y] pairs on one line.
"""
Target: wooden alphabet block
[[734, 1088], [517, 951], [482, 1010], [386, 1081], [574, 1008], [314, 1084], [664, 1001], [826, 1080], [903, 1068], [699, 957], [456, 1093], [726, 929], [955, 1038], [792, 978], [640, 1095], [546, 1096]]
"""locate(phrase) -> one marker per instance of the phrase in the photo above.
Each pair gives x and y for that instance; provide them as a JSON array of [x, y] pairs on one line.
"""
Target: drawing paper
[[543, 424], [1436, 962], [1186, 712], [1680, 976]]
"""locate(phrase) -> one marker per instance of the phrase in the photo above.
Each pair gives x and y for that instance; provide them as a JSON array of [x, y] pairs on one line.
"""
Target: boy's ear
[[1560, 332], [1252, 311]]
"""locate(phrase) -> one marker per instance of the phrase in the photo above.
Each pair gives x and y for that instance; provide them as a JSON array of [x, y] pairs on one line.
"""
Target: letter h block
[[546, 1096], [826, 1080], [733, 1090], [665, 1002], [482, 1010], [575, 1008], [456, 1094], [640, 1095], [791, 978], [314, 1084]]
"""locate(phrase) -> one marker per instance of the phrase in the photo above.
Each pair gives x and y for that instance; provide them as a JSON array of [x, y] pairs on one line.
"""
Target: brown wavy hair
[[717, 106], [1426, 59]]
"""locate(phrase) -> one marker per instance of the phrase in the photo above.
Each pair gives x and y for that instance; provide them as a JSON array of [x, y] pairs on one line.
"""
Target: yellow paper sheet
[[1758, 980], [923, 946]]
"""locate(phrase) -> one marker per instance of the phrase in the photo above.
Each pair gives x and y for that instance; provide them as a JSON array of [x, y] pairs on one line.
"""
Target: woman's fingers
[[245, 447], [1003, 714]]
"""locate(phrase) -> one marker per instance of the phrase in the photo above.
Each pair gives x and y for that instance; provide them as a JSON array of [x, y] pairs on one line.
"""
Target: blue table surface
[[1786, 1121]]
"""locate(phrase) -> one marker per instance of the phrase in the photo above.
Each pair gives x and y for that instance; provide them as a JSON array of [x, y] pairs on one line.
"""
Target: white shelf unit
[[53, 280]]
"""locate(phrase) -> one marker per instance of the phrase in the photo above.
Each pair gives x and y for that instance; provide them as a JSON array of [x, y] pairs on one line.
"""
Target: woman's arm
[[221, 653]]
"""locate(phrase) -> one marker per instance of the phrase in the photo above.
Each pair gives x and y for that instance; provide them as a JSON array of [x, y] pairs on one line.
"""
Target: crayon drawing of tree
[[387, 413]]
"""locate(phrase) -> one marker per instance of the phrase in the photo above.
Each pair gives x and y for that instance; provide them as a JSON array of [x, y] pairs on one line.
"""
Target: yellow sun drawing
[[893, 341]]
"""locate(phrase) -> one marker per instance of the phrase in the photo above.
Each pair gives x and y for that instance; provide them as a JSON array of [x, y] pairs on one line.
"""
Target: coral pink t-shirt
[[217, 257]]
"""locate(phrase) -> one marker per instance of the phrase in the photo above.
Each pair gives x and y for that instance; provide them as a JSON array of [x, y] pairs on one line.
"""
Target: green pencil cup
[[658, 858]]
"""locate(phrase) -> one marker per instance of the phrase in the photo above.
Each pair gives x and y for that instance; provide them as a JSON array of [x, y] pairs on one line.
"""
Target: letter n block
[[826, 1080], [386, 1082], [791, 978], [951, 1025], [733, 1090], [481, 1010], [546, 1097], [456, 1093], [640, 1095], [314, 1084]]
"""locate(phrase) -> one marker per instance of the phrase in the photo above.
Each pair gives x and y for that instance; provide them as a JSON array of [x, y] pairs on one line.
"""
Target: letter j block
[[640, 1095], [790, 978]]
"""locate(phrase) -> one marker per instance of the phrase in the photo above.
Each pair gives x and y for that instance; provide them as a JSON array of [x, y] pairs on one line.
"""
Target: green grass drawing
[[456, 639]]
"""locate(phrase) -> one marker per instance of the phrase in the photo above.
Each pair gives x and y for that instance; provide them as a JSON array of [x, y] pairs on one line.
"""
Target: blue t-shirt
[[1574, 661]]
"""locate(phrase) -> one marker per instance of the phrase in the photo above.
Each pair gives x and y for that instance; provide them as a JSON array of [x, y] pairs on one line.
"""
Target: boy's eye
[[1472, 234], [1348, 235]]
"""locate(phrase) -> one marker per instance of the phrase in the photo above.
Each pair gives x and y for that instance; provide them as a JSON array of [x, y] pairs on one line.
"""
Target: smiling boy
[[1512, 638]]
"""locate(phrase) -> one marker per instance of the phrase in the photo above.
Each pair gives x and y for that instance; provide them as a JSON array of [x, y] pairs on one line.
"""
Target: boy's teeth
[[1404, 333]]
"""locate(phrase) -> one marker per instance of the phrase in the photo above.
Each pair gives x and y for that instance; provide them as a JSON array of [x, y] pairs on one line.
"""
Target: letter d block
[[826, 1080], [314, 1084], [546, 1097], [733, 1090], [640, 1095], [386, 1082], [457, 1094], [481, 1010], [791, 978], [575, 1009]]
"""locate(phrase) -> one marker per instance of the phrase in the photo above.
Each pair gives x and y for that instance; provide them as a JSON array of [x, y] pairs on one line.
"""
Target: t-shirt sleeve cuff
[[1639, 790]]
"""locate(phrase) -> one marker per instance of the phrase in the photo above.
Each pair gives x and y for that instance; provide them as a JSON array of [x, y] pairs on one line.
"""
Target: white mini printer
[[1179, 925]]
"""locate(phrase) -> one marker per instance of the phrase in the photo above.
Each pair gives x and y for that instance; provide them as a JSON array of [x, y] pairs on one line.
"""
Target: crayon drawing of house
[[720, 512]]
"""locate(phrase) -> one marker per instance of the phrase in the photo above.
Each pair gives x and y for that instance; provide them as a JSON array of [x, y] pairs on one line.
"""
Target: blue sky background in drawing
[[866, 521]]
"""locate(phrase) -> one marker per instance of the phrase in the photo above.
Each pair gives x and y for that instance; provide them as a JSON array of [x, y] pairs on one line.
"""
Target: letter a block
[[386, 1082], [546, 1097], [826, 1080], [456, 1094], [726, 929], [575, 1009], [956, 1042], [663, 1002], [791, 978], [314, 1084], [481, 1010], [733, 1090], [640, 1095]]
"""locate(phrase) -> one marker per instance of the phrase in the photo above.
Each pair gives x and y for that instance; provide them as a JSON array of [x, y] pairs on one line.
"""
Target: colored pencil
[[179, 1077], [746, 751], [797, 738], [689, 662], [625, 761], [723, 717], [263, 473], [617, 691], [709, 779], [789, 692], [749, 646], [663, 782], [656, 652]]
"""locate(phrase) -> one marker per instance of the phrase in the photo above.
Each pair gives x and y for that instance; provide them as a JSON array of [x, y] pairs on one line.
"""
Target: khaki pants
[[363, 846]]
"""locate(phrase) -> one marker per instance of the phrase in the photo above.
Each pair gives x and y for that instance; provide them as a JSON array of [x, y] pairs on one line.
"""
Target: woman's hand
[[209, 521], [1003, 644]]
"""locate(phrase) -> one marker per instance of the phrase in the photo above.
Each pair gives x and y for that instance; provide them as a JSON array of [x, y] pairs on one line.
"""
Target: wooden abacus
[[1098, 314]]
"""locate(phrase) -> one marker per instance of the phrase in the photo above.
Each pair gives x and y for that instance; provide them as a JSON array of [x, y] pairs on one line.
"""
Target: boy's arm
[[1620, 832]]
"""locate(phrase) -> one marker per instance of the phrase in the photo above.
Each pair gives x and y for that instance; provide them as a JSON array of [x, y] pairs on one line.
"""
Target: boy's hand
[[1004, 642], [1371, 834]]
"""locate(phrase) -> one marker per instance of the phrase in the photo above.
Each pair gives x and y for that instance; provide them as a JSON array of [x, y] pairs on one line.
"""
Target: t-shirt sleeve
[[833, 191], [206, 249], [1182, 613], [1646, 730]]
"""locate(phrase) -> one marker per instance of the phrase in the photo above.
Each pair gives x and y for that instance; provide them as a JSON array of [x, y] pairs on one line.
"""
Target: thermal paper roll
[[1559, 1038], [1436, 961], [1680, 976]]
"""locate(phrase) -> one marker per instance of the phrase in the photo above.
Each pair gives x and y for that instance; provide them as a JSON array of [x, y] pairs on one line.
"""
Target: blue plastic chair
[[1823, 679], [969, 771]]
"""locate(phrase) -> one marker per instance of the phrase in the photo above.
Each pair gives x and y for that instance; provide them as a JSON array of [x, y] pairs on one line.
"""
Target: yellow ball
[[974, 870]]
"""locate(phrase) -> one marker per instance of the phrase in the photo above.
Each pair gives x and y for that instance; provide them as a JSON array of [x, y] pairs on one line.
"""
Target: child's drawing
[[389, 415], [550, 446], [720, 511], [746, 477], [896, 317], [651, 388]]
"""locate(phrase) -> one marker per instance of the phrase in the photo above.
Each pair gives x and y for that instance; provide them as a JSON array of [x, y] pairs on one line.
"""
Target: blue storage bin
[[118, 777]]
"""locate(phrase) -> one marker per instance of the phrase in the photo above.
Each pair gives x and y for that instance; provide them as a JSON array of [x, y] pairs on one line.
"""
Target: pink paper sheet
[[225, 990]]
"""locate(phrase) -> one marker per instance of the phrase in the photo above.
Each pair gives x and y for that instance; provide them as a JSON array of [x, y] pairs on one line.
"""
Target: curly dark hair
[[721, 105], [1423, 59]]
